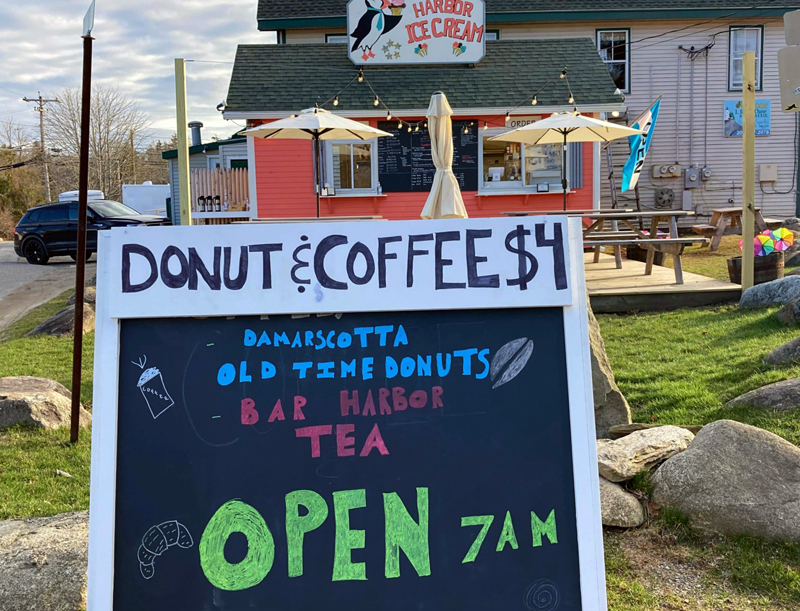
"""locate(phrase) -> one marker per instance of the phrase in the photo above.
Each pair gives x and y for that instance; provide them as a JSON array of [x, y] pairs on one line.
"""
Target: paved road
[[24, 286]]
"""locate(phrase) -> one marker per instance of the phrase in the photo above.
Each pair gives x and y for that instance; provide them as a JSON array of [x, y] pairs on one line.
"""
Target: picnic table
[[596, 236], [565, 212], [728, 221]]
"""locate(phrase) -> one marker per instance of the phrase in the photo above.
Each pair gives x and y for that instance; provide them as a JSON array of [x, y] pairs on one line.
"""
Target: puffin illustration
[[373, 24]]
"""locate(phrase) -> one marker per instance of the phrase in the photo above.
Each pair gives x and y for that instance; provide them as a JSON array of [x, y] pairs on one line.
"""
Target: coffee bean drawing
[[510, 360]]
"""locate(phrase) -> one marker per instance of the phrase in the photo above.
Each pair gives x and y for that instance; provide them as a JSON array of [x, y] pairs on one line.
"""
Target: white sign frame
[[579, 388], [428, 32]]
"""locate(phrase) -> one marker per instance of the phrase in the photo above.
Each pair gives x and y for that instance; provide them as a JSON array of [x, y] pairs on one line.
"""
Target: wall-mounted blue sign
[[733, 118]]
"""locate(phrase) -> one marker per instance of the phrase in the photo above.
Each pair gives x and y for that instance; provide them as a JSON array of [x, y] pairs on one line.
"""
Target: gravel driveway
[[24, 286]]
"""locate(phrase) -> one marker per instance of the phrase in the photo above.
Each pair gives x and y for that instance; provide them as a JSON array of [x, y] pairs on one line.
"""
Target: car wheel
[[35, 252], [74, 256]]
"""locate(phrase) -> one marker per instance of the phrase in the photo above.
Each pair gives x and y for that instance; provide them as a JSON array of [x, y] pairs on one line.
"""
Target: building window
[[741, 40], [613, 46], [336, 38], [492, 35], [349, 166], [511, 166]]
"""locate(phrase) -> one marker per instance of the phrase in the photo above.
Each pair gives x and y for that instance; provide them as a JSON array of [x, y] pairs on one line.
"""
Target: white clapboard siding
[[654, 66]]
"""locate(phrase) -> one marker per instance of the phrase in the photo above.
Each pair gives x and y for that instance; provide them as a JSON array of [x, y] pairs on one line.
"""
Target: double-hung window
[[350, 167], [742, 39], [614, 49]]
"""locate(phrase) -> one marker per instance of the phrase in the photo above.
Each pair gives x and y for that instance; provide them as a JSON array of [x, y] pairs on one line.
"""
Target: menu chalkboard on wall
[[405, 163]]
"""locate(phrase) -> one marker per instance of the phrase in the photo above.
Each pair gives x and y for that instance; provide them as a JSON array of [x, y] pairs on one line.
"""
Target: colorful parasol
[[763, 245], [784, 238]]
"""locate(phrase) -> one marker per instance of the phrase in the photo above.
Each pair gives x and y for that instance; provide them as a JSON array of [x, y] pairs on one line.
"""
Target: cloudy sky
[[135, 44]]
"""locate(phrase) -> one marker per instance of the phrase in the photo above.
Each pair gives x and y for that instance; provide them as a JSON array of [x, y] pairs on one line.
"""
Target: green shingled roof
[[270, 78], [273, 12]]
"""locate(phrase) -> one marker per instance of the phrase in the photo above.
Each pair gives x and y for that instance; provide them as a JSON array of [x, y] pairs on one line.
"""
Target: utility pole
[[749, 165], [184, 193], [40, 109]]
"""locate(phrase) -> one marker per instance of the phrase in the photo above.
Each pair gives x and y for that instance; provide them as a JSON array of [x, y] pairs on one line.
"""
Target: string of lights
[[414, 126]]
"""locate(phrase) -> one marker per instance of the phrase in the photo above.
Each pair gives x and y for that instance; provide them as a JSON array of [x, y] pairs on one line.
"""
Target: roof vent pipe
[[197, 137]]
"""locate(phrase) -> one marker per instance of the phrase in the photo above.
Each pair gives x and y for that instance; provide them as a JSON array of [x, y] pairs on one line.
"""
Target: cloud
[[134, 49]]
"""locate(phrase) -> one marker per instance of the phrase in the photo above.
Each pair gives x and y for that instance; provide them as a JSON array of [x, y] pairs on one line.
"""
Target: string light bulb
[[534, 101], [425, 125], [416, 127], [466, 129], [571, 100], [336, 100], [564, 73], [614, 113], [508, 117], [399, 125], [409, 129], [389, 116], [485, 125], [376, 101], [360, 75]]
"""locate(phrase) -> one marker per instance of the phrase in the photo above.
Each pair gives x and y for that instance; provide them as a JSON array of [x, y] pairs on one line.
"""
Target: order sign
[[394, 459], [421, 32]]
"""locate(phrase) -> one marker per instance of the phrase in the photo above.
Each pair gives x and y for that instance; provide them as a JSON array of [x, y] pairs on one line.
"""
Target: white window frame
[[732, 57], [626, 61], [554, 187], [327, 174], [213, 162], [234, 158], [336, 38]]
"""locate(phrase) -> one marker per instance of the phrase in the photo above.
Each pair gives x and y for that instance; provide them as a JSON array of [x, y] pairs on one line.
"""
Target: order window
[[613, 46], [513, 166], [349, 166], [742, 40]]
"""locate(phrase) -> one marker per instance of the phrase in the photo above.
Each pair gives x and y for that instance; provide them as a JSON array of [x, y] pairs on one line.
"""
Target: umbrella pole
[[319, 173], [564, 170]]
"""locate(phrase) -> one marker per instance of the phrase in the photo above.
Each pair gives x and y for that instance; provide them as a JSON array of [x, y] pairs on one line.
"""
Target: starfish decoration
[[396, 45], [396, 55], [390, 43], [385, 48]]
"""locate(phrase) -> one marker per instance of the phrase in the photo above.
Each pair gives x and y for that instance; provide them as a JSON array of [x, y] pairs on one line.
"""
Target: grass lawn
[[678, 367]]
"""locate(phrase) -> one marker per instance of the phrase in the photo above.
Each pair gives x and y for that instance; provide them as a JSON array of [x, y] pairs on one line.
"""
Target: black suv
[[52, 229]]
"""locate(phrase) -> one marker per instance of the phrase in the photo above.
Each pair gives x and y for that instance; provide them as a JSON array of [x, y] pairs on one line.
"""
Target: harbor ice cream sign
[[421, 32]]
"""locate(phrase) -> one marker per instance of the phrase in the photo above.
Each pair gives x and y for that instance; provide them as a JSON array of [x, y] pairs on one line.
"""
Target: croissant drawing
[[157, 540]]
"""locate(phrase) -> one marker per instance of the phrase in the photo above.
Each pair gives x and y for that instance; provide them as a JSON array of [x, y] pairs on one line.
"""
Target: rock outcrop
[[62, 324], [36, 402], [781, 395], [610, 406], [619, 507], [784, 354], [621, 459], [89, 296], [43, 563], [777, 292], [735, 479]]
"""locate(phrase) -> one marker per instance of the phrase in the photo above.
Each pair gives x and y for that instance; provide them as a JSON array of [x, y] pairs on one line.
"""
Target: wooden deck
[[627, 289]]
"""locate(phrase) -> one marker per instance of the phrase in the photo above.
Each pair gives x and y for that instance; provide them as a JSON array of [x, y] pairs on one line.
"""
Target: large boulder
[[89, 296], [36, 402], [610, 406], [778, 395], [792, 223], [63, 323], [786, 353], [43, 563], [777, 292], [621, 459], [790, 313], [735, 479], [618, 507]]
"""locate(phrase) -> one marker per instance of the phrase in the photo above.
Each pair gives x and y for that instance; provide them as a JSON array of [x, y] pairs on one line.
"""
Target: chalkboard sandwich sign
[[355, 416]]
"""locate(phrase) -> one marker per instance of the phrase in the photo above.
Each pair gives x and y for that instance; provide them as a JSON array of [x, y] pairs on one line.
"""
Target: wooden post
[[184, 193], [749, 165]]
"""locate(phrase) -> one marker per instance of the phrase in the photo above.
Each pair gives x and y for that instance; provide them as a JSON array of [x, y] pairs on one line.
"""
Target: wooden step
[[706, 230]]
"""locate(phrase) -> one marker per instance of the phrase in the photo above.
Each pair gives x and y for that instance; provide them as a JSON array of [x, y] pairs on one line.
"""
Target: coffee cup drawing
[[155, 393]]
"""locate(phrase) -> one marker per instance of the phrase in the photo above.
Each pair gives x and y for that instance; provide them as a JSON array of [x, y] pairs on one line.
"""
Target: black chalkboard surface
[[392, 461], [405, 163]]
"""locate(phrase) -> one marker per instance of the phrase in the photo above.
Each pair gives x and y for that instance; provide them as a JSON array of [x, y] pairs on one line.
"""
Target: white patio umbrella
[[315, 124], [564, 128], [444, 200]]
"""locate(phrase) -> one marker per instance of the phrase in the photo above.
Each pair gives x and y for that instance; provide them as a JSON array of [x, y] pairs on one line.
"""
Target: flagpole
[[80, 263]]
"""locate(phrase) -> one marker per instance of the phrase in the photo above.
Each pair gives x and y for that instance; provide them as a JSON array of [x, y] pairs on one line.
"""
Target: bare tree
[[118, 132], [20, 187]]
